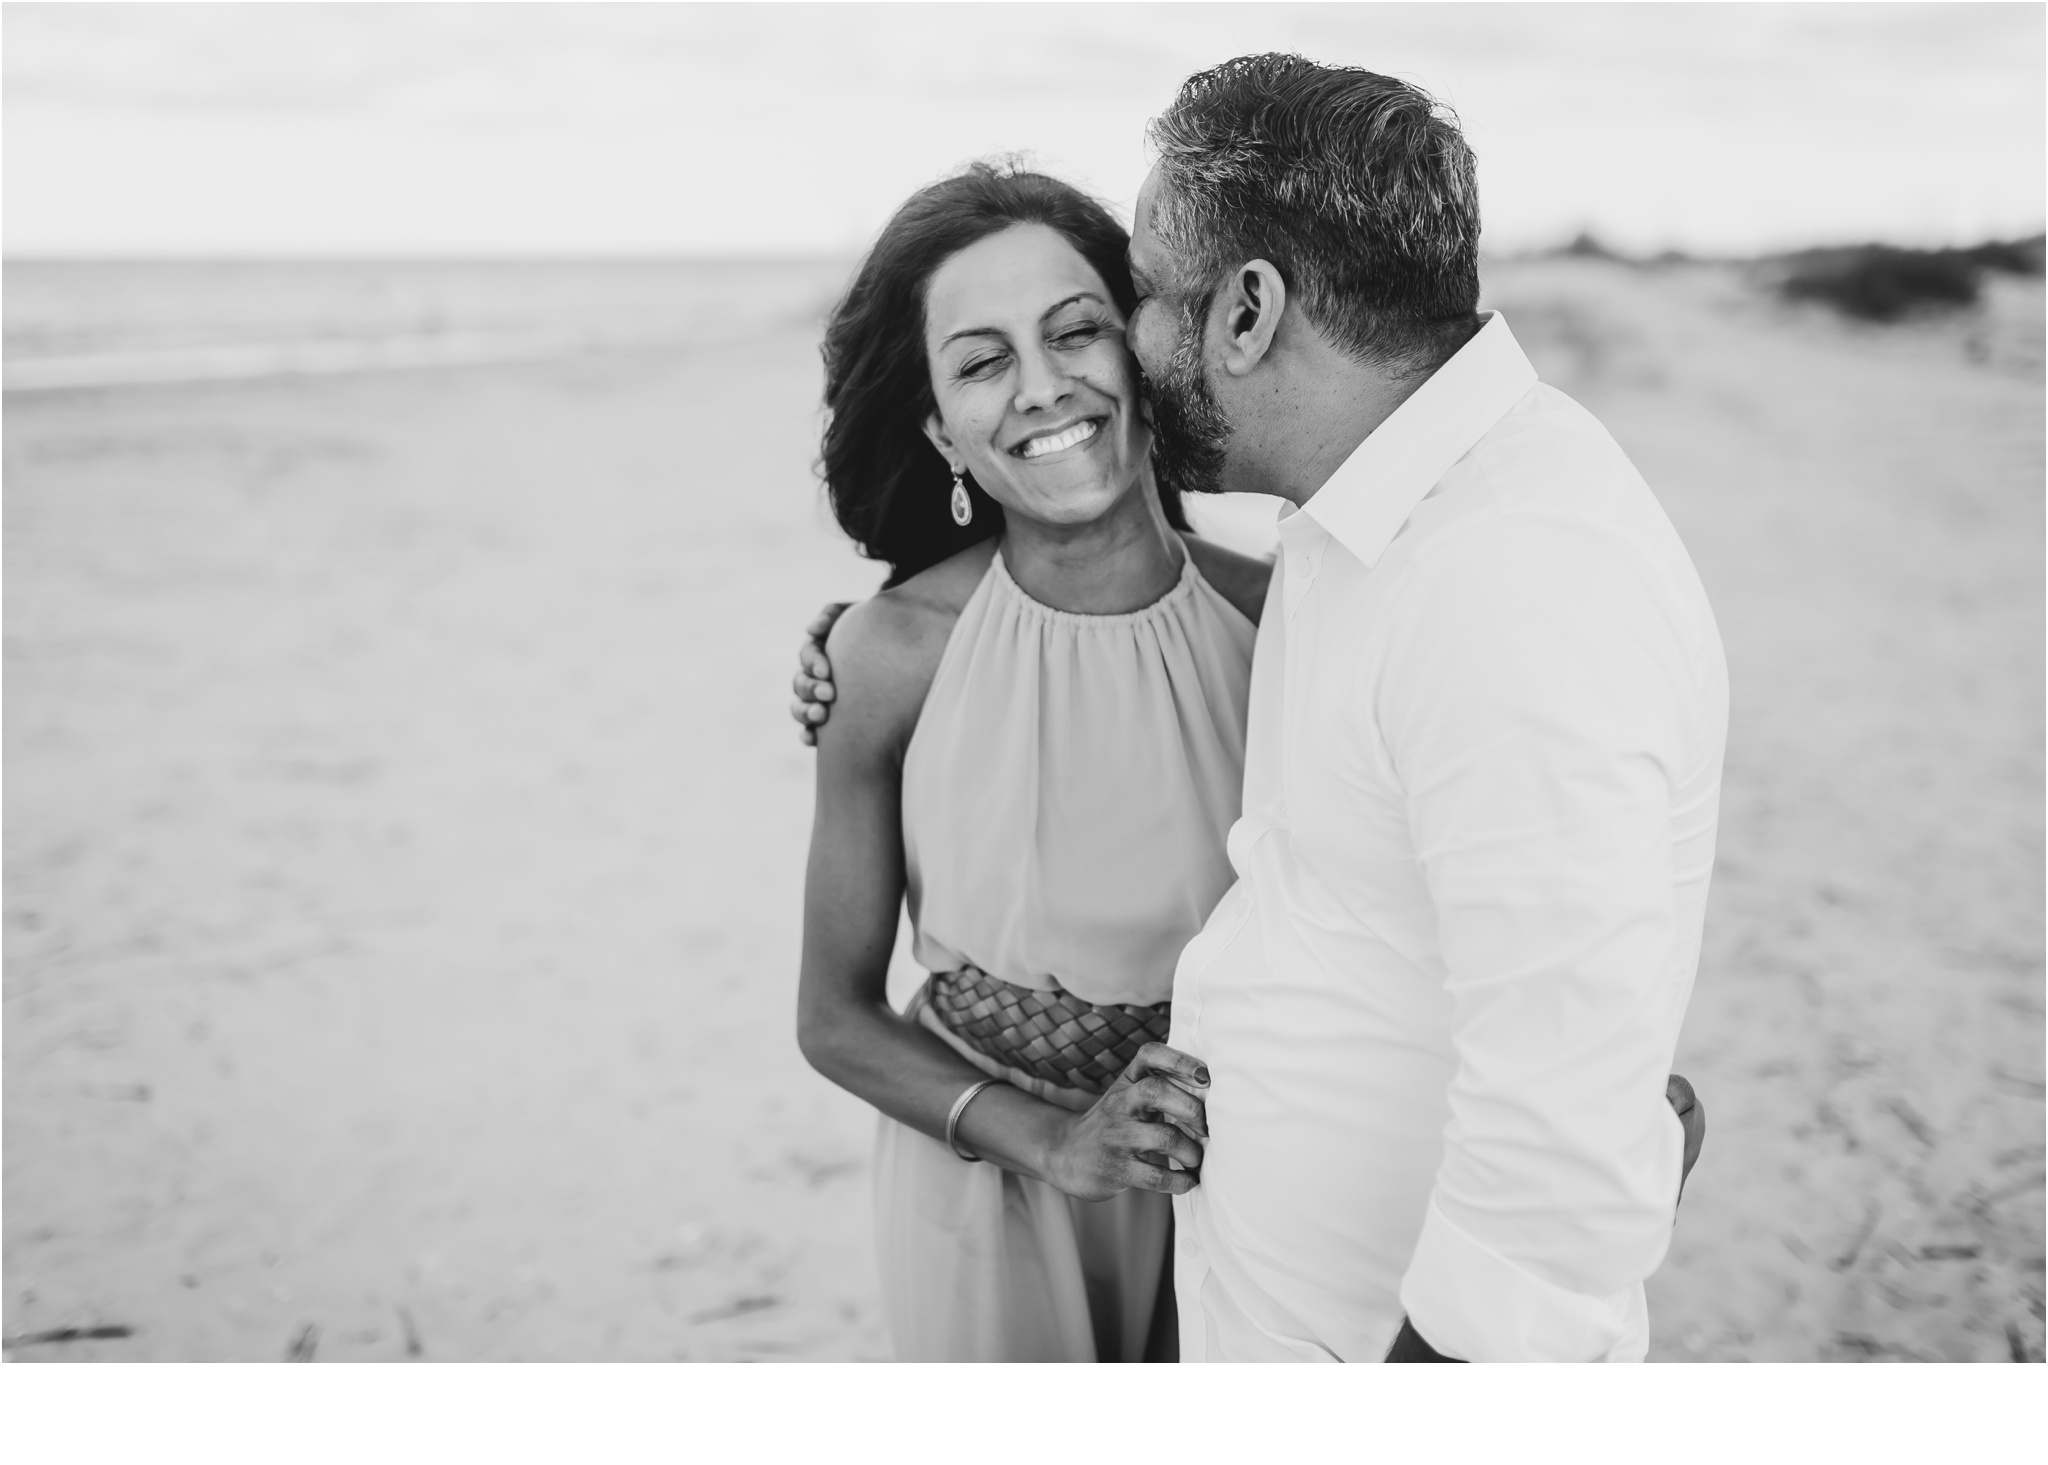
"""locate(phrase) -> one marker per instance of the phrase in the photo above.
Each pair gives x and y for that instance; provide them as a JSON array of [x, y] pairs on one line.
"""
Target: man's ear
[[1251, 304]]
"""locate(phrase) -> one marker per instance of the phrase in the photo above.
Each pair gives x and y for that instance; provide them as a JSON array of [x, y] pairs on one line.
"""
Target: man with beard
[[1488, 714], [1489, 707]]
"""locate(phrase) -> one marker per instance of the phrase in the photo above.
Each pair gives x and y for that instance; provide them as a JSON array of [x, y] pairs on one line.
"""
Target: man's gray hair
[[1359, 188]]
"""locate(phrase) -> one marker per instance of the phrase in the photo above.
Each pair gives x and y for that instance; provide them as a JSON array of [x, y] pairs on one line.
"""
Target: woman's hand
[[1152, 1114], [813, 684]]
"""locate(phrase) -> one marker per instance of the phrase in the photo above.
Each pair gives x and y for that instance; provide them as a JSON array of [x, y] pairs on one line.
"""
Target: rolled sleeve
[[1532, 705]]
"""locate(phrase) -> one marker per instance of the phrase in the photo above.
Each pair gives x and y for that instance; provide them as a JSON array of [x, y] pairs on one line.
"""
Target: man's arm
[[1534, 707], [1411, 1347]]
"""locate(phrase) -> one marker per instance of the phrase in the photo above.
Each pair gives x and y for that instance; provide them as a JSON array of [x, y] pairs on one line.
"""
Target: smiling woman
[[888, 488], [1037, 401], [1038, 744]]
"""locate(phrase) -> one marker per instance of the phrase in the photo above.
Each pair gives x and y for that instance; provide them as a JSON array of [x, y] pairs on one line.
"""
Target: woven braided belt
[[1050, 1035]]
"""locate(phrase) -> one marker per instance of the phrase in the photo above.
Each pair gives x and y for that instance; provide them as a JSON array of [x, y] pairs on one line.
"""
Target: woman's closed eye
[[1068, 336], [978, 368], [1081, 333]]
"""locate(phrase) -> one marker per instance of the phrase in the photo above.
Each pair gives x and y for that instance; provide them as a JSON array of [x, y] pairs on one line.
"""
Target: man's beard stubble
[[1190, 434]]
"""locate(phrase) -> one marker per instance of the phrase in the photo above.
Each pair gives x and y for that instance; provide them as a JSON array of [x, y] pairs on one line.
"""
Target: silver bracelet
[[953, 1119]]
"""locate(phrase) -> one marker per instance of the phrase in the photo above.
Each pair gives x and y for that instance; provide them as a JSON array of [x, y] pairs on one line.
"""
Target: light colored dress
[[1066, 796]]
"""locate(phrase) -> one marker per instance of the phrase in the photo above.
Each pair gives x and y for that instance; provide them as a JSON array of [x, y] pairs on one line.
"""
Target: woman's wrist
[[967, 1096], [1049, 1137], [1014, 1130]]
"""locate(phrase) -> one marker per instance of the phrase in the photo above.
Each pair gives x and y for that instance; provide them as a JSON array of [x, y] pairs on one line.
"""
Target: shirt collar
[[1370, 497]]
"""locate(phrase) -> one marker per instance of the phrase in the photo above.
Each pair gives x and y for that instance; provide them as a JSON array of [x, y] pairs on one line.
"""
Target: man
[[1489, 707]]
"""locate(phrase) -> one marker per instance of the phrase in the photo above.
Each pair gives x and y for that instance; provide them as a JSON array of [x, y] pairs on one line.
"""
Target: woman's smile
[[1054, 440]]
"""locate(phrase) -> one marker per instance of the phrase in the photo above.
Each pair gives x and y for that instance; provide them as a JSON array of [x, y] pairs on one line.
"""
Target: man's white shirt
[[1488, 712]]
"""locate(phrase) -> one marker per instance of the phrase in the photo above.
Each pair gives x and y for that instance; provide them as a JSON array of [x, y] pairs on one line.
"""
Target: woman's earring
[[963, 506]]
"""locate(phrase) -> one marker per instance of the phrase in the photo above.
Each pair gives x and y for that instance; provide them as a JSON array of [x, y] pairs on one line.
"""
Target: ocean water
[[72, 324]]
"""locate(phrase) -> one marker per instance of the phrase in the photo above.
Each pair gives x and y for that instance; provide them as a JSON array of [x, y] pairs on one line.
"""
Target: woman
[[1037, 741]]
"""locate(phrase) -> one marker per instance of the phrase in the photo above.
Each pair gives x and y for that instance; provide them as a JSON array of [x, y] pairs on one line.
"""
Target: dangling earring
[[963, 506]]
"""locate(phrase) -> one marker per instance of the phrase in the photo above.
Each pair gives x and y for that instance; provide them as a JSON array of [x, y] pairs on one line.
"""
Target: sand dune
[[405, 836]]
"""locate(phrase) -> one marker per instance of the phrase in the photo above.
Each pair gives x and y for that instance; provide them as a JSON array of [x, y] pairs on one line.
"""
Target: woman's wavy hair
[[887, 484]]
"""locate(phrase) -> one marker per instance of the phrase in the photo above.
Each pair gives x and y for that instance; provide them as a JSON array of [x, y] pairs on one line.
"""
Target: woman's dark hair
[[887, 483]]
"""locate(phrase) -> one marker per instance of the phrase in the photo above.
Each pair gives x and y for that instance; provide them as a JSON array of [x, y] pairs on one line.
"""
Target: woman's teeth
[[1080, 432]]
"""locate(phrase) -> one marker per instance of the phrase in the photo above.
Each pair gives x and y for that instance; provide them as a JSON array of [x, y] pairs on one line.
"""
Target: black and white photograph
[[1007, 683]]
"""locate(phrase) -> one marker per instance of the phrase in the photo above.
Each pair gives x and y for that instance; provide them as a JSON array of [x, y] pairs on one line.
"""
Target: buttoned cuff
[[1473, 1303]]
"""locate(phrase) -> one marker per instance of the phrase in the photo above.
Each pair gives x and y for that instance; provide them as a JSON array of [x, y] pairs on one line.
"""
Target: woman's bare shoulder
[[1240, 579], [886, 650], [943, 590]]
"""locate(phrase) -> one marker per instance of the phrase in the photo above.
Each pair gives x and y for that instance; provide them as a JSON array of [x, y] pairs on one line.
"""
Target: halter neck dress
[[1066, 796]]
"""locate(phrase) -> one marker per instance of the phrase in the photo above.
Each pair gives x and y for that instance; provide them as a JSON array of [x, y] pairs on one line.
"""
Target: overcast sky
[[534, 129]]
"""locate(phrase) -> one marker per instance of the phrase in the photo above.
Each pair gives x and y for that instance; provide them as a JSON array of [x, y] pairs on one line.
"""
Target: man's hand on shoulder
[[813, 684], [906, 625]]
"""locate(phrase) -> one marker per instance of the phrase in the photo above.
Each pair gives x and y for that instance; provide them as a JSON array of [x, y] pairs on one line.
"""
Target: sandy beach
[[405, 838]]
